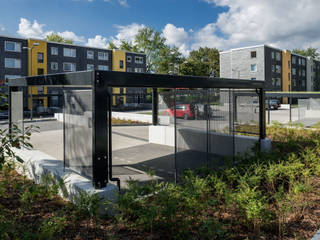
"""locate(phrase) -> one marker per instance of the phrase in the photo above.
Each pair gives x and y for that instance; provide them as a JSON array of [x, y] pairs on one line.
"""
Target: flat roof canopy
[[126, 79]]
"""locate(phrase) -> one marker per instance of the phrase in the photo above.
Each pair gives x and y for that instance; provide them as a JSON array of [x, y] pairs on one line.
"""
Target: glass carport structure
[[211, 117]]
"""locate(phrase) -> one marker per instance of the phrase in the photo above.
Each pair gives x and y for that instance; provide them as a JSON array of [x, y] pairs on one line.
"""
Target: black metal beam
[[125, 79], [99, 134]]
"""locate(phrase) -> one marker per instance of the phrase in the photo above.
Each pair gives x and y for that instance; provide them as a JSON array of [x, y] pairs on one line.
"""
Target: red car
[[185, 111]]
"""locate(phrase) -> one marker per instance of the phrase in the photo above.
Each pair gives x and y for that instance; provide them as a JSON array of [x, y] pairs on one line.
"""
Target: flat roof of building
[[67, 44], [249, 47]]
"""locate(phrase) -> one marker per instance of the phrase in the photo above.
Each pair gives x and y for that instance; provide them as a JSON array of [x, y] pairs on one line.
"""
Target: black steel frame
[[101, 83]]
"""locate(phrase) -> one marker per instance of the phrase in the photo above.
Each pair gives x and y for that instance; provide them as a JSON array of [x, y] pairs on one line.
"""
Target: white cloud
[[123, 3], [99, 42], [247, 22], [32, 30], [127, 33], [2, 28], [36, 30], [72, 35], [176, 36]]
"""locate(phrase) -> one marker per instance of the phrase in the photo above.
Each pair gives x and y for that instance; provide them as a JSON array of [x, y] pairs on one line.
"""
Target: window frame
[[253, 54], [103, 56], [256, 67], [53, 49], [71, 64], [72, 50], [90, 51], [40, 60], [15, 48], [54, 64], [91, 68], [15, 61]]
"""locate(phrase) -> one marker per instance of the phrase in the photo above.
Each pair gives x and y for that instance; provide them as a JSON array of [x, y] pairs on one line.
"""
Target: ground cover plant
[[272, 195]]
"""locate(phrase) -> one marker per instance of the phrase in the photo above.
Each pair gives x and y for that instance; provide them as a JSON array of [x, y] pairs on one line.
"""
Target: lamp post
[[31, 100]]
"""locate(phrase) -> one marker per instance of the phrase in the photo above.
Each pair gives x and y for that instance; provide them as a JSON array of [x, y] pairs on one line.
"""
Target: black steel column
[[99, 133], [262, 114], [155, 102], [290, 111], [175, 137]]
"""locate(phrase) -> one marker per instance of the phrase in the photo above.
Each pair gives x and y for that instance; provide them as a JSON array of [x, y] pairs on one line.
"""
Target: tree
[[309, 52], [150, 42], [111, 45], [202, 62], [169, 60], [129, 47], [53, 37]]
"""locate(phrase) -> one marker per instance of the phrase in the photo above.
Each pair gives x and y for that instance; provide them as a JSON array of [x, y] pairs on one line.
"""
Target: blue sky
[[188, 24]]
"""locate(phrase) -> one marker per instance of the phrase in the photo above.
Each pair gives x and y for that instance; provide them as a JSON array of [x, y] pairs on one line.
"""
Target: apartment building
[[13, 58], [280, 69], [26, 57], [256, 63]]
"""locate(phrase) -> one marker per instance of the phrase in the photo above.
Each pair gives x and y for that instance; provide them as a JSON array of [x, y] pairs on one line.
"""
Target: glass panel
[[78, 131], [191, 129], [221, 140], [17, 109]]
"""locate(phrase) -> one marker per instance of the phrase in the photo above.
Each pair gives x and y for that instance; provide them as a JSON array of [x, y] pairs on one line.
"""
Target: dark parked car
[[272, 104]]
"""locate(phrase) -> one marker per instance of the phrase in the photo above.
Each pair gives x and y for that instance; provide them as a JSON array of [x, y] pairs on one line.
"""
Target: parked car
[[185, 111], [272, 104]]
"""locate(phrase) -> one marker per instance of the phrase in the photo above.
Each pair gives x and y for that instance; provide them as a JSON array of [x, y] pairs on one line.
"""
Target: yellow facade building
[[286, 73]]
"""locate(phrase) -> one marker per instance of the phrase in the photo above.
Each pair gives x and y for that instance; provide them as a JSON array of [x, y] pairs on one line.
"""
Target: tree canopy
[[201, 62], [53, 37], [162, 58], [309, 52]]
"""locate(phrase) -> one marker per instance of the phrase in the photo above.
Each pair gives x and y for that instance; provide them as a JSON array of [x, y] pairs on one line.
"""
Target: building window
[[90, 67], [294, 82], [278, 69], [54, 51], [103, 67], [273, 68], [12, 46], [40, 89], [272, 55], [121, 64], [293, 71], [12, 63], [303, 83], [293, 60], [303, 62], [253, 54], [69, 52], [40, 57], [69, 67], [40, 71], [90, 55], [253, 68], [138, 60], [129, 58], [103, 56], [289, 76], [138, 70], [289, 65], [299, 61], [276, 82], [278, 56], [303, 73], [129, 69], [299, 72], [54, 66]]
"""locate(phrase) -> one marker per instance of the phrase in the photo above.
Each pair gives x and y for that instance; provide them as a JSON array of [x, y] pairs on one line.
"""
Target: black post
[[155, 106], [100, 144], [262, 114], [268, 110]]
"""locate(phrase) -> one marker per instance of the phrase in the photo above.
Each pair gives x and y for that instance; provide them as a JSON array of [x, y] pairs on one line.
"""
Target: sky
[[187, 24]]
